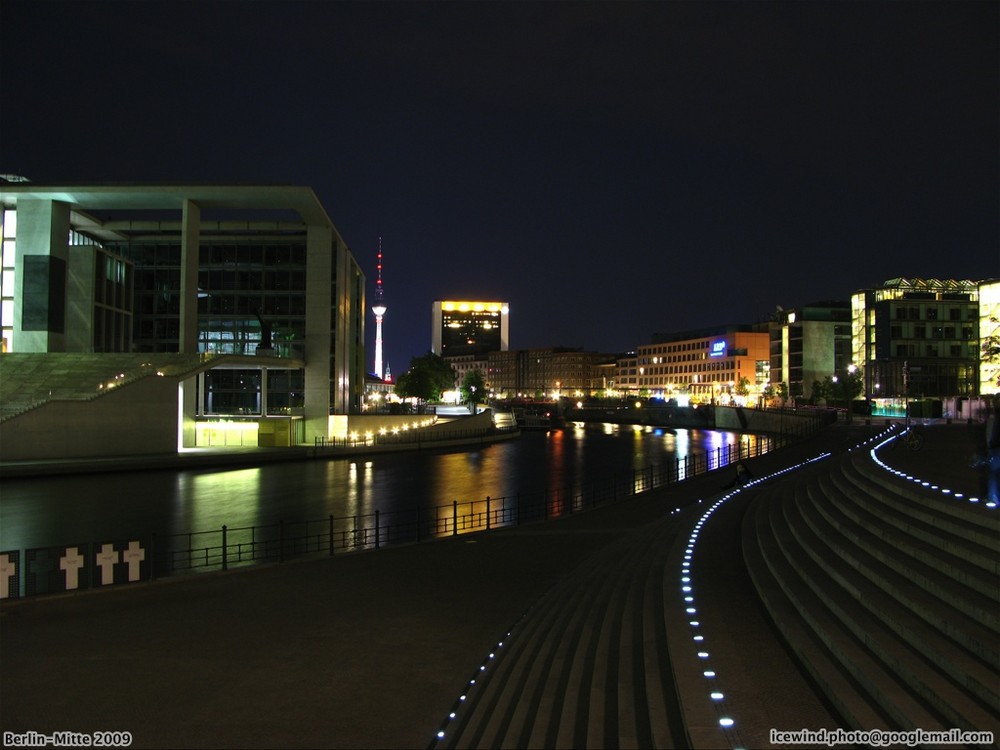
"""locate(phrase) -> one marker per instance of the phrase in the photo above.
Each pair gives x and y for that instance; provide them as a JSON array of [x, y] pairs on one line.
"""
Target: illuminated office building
[[252, 284], [460, 328], [917, 338], [548, 372], [705, 365], [810, 344]]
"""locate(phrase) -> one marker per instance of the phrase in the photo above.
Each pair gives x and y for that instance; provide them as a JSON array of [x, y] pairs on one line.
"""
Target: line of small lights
[[461, 700], [923, 483], [715, 695]]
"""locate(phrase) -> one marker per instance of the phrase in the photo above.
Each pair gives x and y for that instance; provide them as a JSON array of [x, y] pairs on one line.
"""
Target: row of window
[[933, 350], [169, 254], [921, 331], [934, 312], [169, 303]]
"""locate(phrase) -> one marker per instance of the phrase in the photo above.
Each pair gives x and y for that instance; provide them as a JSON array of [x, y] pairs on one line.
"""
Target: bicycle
[[911, 438]]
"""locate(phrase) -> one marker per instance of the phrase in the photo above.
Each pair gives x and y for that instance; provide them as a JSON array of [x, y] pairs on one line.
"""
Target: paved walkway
[[373, 650]]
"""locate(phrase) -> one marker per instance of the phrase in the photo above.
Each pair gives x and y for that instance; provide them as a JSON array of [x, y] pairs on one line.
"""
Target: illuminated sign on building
[[718, 349]]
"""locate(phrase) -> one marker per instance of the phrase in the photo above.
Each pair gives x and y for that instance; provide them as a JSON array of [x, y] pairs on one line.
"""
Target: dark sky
[[612, 169]]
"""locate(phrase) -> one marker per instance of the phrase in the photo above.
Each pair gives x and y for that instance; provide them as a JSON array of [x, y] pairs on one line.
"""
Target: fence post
[[225, 538], [454, 517], [377, 526], [331, 535], [487, 512]]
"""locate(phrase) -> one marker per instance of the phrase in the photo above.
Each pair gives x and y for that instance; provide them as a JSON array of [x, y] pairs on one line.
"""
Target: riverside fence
[[92, 565]]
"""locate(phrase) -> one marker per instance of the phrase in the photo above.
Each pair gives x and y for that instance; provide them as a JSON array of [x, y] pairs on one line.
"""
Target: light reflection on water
[[63, 510]]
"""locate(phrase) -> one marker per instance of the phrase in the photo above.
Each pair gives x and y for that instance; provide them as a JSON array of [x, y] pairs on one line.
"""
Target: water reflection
[[211, 500], [559, 464]]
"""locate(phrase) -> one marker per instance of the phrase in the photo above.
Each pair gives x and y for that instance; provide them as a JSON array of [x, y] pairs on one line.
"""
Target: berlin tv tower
[[379, 309]]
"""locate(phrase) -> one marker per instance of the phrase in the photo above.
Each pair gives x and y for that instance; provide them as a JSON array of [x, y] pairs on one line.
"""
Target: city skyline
[[646, 166]]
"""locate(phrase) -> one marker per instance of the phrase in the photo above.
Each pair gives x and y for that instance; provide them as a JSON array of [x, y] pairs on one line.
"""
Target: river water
[[48, 511]]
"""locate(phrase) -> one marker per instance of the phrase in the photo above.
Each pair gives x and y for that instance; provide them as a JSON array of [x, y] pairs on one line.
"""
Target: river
[[57, 510]]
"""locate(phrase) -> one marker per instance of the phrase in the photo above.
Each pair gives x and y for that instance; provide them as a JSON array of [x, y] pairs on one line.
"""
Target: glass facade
[[113, 300], [251, 296], [929, 326]]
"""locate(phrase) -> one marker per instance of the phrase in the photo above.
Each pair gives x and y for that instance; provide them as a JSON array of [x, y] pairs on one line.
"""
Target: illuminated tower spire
[[379, 309]]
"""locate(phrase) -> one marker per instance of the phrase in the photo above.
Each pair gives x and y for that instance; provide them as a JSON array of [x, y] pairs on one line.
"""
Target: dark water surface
[[43, 511]]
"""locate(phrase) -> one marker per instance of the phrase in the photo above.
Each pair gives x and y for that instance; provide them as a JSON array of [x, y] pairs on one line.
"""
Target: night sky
[[612, 169]]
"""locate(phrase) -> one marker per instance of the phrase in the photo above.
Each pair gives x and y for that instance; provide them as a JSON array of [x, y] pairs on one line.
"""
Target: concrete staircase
[[587, 666], [28, 380], [886, 591], [504, 419]]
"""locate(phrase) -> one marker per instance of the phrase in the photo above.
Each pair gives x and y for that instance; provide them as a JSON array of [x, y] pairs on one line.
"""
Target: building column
[[42, 254], [190, 244], [319, 344], [188, 340], [263, 391]]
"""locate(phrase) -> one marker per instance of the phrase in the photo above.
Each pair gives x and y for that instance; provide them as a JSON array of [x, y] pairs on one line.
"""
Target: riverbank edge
[[220, 458]]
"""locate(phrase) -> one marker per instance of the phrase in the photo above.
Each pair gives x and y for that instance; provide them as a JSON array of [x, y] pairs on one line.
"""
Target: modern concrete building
[[917, 338], [252, 285], [809, 344]]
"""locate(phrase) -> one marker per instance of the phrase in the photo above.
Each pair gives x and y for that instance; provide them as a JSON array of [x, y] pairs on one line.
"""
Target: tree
[[473, 388], [782, 392], [821, 390], [844, 387], [742, 387], [426, 379]]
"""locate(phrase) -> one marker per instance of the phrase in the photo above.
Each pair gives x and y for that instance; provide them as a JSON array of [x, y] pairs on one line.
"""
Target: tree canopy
[[473, 389], [426, 379]]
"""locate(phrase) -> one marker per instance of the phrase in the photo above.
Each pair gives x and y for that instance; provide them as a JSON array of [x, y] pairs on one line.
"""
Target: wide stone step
[[957, 558], [804, 630], [966, 522], [950, 679], [961, 613], [868, 650], [587, 666]]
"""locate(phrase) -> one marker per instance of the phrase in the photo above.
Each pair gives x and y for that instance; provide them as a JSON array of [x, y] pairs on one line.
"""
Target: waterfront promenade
[[375, 649]]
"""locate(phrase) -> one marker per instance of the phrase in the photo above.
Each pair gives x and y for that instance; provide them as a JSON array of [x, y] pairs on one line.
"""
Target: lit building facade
[[929, 327], [706, 365], [557, 371], [809, 344], [460, 327], [257, 274], [989, 337]]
